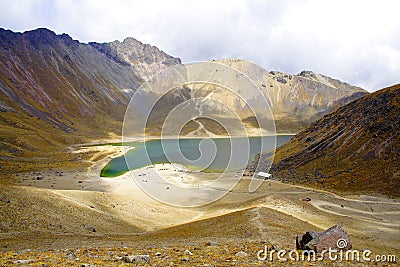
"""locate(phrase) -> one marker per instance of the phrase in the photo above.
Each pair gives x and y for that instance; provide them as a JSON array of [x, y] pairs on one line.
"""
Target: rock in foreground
[[335, 238]]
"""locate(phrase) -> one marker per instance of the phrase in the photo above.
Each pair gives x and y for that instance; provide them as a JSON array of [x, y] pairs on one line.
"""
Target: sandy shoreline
[[365, 217]]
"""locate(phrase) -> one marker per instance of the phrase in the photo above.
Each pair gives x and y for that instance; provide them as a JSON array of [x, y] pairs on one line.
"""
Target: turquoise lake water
[[210, 155]]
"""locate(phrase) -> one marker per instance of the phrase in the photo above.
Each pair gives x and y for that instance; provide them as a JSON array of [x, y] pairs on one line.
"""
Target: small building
[[264, 175]]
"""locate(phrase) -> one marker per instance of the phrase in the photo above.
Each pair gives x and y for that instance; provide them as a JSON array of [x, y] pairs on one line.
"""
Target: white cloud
[[355, 41]]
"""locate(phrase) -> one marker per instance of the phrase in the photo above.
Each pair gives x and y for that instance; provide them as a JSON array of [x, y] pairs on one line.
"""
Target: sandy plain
[[69, 208]]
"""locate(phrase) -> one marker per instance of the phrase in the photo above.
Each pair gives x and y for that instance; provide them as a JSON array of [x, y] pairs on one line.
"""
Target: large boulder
[[334, 238]]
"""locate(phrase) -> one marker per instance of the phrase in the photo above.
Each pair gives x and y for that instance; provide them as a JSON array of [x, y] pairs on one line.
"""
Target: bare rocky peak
[[144, 59], [328, 81], [133, 52], [278, 78], [297, 100]]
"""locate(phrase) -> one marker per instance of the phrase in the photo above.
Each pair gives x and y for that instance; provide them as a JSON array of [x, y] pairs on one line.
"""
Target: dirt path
[[380, 212]]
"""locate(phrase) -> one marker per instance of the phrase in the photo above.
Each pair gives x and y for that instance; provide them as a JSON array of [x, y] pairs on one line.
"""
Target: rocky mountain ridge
[[297, 100], [354, 149], [56, 91], [146, 59], [232, 88]]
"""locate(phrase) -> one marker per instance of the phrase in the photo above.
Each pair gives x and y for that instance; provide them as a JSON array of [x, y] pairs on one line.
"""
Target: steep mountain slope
[[55, 91], [221, 89], [59, 80], [354, 149], [298, 100], [146, 59]]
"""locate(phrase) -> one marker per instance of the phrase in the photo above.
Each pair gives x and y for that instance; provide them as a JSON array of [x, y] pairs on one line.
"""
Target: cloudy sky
[[355, 41]]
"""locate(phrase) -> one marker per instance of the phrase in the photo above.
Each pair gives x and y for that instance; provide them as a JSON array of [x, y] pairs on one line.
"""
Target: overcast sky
[[354, 41]]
